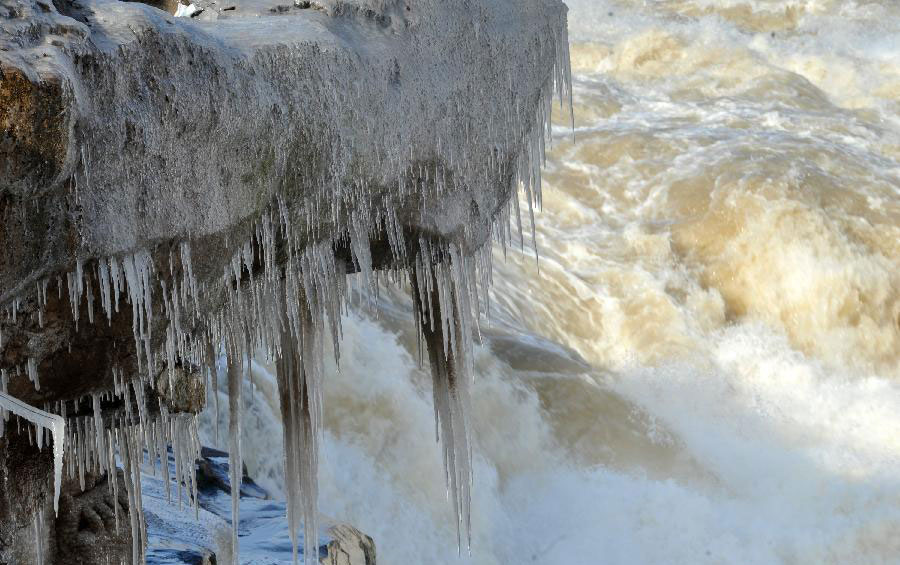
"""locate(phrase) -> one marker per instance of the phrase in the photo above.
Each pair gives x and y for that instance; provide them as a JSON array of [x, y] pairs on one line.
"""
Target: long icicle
[[235, 373], [298, 383], [285, 368], [450, 376], [214, 382]]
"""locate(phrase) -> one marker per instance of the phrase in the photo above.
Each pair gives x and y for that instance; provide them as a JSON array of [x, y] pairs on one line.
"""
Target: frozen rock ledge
[[176, 189]]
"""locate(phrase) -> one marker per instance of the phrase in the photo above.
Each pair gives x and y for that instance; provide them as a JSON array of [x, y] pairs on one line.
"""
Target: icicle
[[105, 296], [179, 463], [163, 424], [113, 474], [139, 497], [298, 392], [41, 419], [214, 377], [79, 450], [99, 430], [31, 369], [130, 451], [125, 451], [234, 457], [451, 377], [90, 300]]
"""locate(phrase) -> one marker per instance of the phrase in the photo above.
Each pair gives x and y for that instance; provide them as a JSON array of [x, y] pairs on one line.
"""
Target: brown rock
[[33, 132], [87, 531]]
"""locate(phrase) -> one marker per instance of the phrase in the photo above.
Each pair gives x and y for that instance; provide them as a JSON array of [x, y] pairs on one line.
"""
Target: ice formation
[[42, 421], [344, 148], [235, 375]]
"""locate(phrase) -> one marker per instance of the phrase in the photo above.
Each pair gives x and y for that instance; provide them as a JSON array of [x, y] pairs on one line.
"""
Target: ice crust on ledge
[[233, 181]]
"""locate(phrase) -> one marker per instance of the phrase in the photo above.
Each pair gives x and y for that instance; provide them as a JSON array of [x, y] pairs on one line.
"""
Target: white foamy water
[[706, 369]]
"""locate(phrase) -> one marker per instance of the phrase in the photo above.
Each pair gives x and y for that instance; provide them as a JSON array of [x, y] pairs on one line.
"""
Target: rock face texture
[[92, 525], [172, 189]]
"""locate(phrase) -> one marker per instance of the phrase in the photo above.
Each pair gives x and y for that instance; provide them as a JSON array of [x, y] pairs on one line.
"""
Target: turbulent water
[[704, 366]]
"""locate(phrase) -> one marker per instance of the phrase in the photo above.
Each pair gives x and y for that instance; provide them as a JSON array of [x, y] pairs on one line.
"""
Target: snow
[[183, 11]]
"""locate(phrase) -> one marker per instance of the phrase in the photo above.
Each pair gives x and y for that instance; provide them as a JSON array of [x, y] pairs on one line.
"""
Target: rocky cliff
[[172, 189]]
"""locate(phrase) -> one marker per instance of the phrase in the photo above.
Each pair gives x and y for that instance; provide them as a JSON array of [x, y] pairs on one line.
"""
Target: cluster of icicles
[[91, 446], [284, 297]]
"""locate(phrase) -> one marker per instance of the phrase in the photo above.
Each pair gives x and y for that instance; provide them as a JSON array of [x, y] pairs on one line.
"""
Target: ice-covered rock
[[175, 188], [127, 129]]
